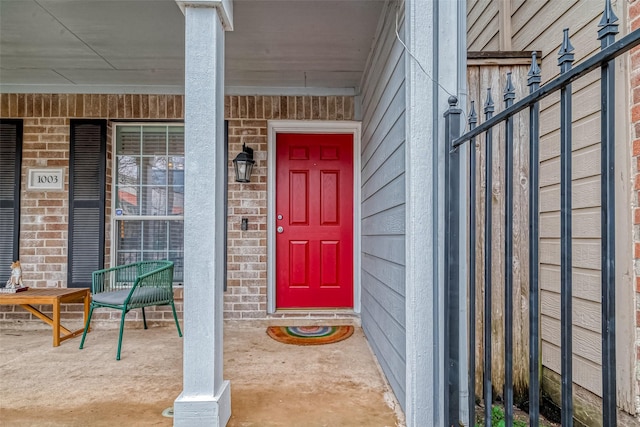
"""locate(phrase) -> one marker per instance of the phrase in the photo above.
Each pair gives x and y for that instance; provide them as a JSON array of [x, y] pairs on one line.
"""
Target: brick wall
[[246, 296], [634, 19], [44, 215]]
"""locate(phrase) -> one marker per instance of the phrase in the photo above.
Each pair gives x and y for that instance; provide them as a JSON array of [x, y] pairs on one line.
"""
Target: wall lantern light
[[243, 164]]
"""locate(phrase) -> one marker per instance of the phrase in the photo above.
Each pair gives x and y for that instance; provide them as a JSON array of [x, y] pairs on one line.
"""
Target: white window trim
[[114, 187], [299, 126]]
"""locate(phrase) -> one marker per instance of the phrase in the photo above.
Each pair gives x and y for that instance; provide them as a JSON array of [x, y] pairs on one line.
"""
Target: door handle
[[280, 229]]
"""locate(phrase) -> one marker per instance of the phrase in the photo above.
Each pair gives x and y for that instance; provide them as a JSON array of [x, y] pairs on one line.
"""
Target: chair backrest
[[148, 266], [154, 286], [155, 273]]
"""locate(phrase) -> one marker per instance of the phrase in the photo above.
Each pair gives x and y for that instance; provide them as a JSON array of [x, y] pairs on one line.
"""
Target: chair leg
[[175, 317], [86, 327], [120, 335], [144, 318]]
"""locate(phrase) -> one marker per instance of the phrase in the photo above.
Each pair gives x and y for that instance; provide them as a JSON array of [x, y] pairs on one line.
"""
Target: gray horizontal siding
[[385, 271], [390, 221], [388, 335], [383, 204], [390, 248], [386, 170], [391, 196]]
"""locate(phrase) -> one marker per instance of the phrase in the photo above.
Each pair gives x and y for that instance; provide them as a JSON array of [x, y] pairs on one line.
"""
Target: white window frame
[[114, 186]]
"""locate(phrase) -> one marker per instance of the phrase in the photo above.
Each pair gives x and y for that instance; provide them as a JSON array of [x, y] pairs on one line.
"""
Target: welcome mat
[[309, 335]]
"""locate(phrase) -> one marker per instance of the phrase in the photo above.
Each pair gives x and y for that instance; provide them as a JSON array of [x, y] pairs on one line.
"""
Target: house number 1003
[[51, 179], [46, 179]]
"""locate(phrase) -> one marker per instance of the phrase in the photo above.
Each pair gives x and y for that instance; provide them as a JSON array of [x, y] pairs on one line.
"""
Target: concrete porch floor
[[272, 384]]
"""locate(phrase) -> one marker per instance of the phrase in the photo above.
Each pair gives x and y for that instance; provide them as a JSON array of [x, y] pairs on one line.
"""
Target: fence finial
[[534, 75], [488, 105], [509, 90], [453, 101], [608, 27], [565, 54], [473, 116]]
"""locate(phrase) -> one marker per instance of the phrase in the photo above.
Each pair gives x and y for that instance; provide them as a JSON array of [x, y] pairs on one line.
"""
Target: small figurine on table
[[15, 281]]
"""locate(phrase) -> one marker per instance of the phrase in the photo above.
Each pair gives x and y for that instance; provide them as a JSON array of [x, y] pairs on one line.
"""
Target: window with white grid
[[149, 194]]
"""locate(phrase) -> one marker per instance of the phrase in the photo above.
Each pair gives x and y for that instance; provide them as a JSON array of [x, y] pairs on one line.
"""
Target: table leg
[[87, 302], [56, 323]]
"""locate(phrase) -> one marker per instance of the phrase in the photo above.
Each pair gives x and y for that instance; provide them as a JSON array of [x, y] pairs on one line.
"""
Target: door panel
[[329, 192], [329, 261], [299, 184], [314, 211], [299, 260]]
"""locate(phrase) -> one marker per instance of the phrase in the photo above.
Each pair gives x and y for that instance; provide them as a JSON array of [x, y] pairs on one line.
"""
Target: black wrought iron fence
[[483, 134]]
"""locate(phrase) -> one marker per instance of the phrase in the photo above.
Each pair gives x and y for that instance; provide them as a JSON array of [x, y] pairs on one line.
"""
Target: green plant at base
[[497, 419]]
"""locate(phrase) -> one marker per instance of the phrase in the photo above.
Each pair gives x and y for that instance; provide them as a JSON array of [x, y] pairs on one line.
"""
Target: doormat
[[309, 335]]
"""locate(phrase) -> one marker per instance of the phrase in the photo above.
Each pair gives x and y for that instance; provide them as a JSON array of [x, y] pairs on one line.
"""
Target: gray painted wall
[[383, 201]]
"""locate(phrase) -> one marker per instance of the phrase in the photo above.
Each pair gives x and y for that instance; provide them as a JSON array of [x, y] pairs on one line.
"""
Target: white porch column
[[205, 399], [435, 68]]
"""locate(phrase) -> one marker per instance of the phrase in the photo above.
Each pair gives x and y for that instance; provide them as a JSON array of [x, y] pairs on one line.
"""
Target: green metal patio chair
[[125, 287]]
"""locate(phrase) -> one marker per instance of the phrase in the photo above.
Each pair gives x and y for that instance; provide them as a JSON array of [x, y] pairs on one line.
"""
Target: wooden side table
[[54, 297]]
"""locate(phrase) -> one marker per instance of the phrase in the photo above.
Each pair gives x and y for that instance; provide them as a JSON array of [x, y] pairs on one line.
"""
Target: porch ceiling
[[91, 46]]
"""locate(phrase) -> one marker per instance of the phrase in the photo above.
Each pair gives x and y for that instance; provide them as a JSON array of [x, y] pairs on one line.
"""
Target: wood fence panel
[[479, 79]]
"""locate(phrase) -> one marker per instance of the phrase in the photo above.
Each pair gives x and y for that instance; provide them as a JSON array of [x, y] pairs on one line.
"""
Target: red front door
[[314, 220]]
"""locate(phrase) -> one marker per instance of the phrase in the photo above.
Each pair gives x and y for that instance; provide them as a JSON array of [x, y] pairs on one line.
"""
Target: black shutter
[[10, 161], [87, 158]]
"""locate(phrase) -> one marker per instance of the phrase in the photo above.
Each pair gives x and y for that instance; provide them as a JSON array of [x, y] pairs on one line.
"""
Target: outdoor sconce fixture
[[243, 164]]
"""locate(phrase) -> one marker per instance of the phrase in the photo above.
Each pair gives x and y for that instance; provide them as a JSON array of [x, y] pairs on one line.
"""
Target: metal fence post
[[509, 96], [488, 212], [606, 34], [533, 81], [566, 263], [452, 277], [473, 120]]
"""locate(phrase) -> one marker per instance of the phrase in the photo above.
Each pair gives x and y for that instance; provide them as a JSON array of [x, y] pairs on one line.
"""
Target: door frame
[[314, 127]]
